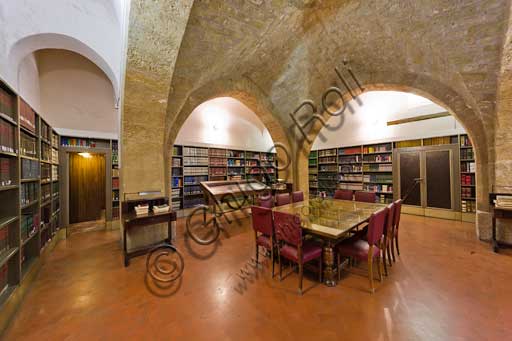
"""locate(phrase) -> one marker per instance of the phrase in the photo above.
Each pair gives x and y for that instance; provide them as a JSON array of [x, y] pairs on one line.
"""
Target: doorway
[[438, 192], [86, 187]]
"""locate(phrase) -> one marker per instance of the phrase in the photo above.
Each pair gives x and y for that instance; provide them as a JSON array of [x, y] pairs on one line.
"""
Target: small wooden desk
[[132, 220], [498, 212], [331, 220]]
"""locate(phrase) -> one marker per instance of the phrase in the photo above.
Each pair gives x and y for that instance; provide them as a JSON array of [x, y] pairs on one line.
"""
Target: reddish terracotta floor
[[446, 286]]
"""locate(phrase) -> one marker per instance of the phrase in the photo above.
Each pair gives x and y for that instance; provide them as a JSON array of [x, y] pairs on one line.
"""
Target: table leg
[[328, 256]]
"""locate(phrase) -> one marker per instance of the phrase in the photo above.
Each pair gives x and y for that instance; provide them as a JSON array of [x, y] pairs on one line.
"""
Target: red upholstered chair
[[365, 196], [263, 226], [343, 194], [266, 201], [396, 224], [297, 196], [282, 199], [388, 237], [368, 249], [292, 245]]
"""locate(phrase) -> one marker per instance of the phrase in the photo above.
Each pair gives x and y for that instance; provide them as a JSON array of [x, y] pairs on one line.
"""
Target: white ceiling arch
[[35, 42]]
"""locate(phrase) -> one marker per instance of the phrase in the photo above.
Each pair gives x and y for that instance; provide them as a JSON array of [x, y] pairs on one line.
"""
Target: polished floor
[[446, 286]]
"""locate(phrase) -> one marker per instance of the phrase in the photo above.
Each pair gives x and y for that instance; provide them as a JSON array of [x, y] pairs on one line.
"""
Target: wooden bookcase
[[370, 168], [29, 190], [192, 164]]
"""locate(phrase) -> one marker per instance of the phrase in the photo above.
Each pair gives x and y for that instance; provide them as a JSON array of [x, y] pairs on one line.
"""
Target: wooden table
[[331, 220], [132, 220], [498, 212]]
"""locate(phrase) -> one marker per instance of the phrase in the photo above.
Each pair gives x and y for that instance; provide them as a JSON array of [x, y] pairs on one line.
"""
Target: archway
[[462, 113]]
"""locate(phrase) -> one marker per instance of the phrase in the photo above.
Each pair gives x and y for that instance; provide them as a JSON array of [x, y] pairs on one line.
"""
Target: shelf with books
[[381, 148]]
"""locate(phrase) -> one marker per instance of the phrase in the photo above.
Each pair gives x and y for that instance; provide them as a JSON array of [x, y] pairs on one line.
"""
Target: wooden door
[[86, 187]]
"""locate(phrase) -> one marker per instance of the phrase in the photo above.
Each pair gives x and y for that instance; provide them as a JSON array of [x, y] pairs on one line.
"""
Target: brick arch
[[455, 105], [242, 90]]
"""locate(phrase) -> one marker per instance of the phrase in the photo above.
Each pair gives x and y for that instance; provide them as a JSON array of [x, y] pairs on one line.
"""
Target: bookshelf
[[192, 164], [370, 168], [29, 214]]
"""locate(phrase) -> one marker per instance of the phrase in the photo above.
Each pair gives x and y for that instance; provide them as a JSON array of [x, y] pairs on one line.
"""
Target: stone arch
[[35, 42], [455, 105], [244, 91]]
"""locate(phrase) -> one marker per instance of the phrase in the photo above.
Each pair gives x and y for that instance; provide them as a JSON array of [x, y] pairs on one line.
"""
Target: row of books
[[236, 177], [176, 182], [313, 184], [378, 178], [312, 163], [115, 195], [195, 170], [467, 192], [437, 141], [77, 142], [349, 151], [236, 162], [115, 172], [55, 156], [252, 155], [192, 151], [350, 159], [217, 152], [378, 158], [55, 187], [115, 153], [27, 116], [351, 177], [465, 141], [115, 183], [468, 206], [45, 131], [7, 137], [387, 167], [176, 172], [46, 152], [45, 171], [236, 154], [7, 167], [236, 171], [467, 154], [192, 190], [29, 225], [217, 171], [267, 157], [218, 162], [193, 201], [176, 151], [176, 205], [4, 240], [46, 192], [28, 145], [176, 162], [408, 143], [328, 168], [55, 140], [194, 161], [467, 179], [327, 159], [383, 199], [378, 188], [351, 186], [467, 167], [327, 152], [176, 193], [55, 172], [195, 180], [313, 177], [7, 104], [29, 192], [350, 168], [382, 148], [328, 176]]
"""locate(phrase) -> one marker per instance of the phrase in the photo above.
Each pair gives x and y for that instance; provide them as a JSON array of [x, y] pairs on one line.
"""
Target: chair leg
[[383, 251], [257, 255], [397, 248], [272, 258], [379, 267], [280, 265], [388, 250], [301, 270], [370, 272], [393, 248], [338, 266]]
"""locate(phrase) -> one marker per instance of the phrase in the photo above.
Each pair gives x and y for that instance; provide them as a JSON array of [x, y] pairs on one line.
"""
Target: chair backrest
[[297, 196], [398, 212], [390, 221], [376, 226], [282, 199], [266, 201], [343, 194], [262, 220], [365, 196], [288, 228]]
